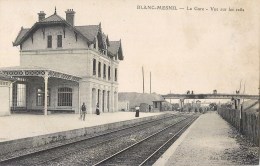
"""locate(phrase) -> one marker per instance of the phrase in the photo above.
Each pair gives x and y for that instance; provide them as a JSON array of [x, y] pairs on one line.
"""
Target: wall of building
[[144, 107], [72, 61], [157, 107], [123, 105], [74, 58], [91, 84], [90, 89], [4, 98], [103, 59], [63, 61], [53, 84], [38, 41]]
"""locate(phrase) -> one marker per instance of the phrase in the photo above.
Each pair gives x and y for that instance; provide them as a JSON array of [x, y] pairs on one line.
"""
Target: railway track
[[149, 149], [48, 155]]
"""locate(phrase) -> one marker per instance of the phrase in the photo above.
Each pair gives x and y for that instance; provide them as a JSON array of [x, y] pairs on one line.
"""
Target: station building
[[5, 94], [63, 65]]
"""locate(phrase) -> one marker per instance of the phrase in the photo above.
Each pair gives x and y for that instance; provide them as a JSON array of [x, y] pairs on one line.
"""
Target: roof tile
[[89, 31], [53, 18], [22, 32], [114, 46]]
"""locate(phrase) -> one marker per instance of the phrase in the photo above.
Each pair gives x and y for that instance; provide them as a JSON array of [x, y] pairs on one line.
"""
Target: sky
[[183, 49]]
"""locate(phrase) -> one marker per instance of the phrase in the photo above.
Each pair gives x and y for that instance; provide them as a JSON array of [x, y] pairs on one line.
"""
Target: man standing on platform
[[97, 109], [83, 111]]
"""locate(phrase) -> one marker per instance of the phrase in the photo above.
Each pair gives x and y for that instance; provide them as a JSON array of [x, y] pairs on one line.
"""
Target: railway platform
[[19, 126], [210, 140], [23, 131]]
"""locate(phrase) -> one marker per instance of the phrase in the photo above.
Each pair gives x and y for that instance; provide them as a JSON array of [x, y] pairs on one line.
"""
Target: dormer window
[[49, 41], [59, 40]]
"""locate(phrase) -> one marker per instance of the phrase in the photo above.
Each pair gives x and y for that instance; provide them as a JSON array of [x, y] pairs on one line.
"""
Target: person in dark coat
[[137, 111], [83, 111], [97, 109]]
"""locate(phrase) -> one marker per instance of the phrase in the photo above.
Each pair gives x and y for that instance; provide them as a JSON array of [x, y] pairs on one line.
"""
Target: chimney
[[41, 15], [70, 16]]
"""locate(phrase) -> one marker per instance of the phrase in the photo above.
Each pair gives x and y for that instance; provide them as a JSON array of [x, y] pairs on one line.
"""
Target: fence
[[248, 125]]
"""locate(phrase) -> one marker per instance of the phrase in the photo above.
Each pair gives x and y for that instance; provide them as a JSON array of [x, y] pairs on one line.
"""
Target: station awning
[[23, 71]]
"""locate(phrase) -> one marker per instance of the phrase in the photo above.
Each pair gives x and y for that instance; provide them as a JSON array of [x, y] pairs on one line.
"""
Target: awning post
[[46, 77]]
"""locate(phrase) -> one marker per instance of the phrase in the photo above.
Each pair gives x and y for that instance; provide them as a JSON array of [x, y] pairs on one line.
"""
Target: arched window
[[64, 96]]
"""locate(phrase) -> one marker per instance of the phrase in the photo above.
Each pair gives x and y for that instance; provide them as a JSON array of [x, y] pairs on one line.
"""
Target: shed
[[157, 105]]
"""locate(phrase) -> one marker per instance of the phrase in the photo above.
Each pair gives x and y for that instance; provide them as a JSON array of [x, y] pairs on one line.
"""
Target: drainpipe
[[46, 78]]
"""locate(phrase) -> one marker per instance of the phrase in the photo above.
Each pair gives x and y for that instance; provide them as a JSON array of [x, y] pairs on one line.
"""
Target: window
[[109, 73], [64, 96], [99, 69], [59, 41], [94, 66], [49, 44], [155, 105], [115, 74], [3, 83], [40, 97], [98, 97], [104, 71], [19, 95]]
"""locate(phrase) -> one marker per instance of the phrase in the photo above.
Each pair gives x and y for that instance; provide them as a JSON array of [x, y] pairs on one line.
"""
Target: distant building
[[158, 105], [123, 105], [63, 65]]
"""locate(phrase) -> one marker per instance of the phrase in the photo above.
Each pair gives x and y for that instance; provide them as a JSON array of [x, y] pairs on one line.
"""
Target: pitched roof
[[135, 99], [22, 32], [116, 48], [53, 18], [89, 31]]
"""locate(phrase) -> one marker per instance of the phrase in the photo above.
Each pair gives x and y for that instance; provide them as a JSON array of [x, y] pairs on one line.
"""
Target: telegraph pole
[[143, 77], [150, 83]]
